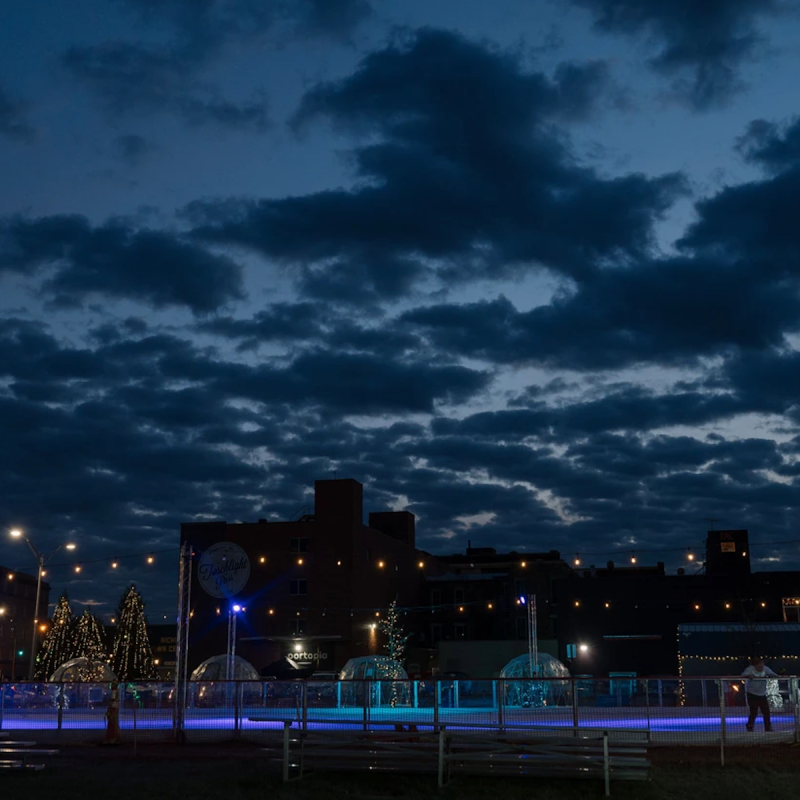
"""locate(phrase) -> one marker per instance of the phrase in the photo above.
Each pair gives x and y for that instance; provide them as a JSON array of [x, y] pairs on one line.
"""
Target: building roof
[[465, 576], [766, 627]]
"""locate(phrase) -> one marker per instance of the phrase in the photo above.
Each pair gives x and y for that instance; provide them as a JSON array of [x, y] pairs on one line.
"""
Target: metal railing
[[666, 711]]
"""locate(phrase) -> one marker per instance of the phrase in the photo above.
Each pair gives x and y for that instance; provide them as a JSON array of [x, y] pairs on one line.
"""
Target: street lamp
[[41, 560]]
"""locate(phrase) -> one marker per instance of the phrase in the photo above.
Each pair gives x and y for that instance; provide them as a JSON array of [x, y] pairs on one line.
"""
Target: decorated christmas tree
[[89, 643], [57, 645], [132, 658], [396, 639]]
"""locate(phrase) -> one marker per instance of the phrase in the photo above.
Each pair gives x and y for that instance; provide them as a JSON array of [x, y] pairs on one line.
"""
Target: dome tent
[[520, 692], [83, 670], [214, 669], [390, 681]]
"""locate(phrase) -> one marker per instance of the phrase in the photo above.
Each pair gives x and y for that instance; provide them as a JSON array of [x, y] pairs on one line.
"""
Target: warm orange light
[[300, 562], [633, 559], [519, 602], [421, 564], [43, 628], [577, 603], [380, 565], [114, 619], [338, 563], [155, 661], [727, 605], [77, 568], [690, 556], [150, 559], [696, 607], [608, 605], [11, 576], [44, 572], [461, 608], [490, 606], [577, 562], [377, 613], [114, 565], [523, 563], [271, 611], [262, 560], [763, 605]]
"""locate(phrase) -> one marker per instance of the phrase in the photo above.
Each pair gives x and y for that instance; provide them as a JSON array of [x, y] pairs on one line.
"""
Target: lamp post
[[41, 560]]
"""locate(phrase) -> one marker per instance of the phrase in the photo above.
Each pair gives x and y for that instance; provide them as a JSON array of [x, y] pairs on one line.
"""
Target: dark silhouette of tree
[[58, 643], [132, 657]]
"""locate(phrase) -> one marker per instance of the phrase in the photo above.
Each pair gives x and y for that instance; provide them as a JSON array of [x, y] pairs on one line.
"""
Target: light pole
[[41, 560]]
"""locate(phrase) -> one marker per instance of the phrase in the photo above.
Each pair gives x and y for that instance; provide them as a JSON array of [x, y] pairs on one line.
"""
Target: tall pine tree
[[396, 640], [57, 645], [132, 657], [89, 643]]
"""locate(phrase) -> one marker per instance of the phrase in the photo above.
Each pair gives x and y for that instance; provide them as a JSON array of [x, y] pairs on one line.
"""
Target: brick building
[[17, 601], [311, 588]]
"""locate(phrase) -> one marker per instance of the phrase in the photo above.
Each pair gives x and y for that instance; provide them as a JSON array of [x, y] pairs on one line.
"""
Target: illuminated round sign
[[223, 569]]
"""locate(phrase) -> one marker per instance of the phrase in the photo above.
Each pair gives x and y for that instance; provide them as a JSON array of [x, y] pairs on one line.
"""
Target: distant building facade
[[17, 601]]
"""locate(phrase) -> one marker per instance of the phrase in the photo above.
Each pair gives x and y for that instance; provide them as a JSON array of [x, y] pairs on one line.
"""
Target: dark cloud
[[13, 118], [115, 260], [463, 173], [775, 147], [132, 148], [133, 78], [703, 43], [130, 77]]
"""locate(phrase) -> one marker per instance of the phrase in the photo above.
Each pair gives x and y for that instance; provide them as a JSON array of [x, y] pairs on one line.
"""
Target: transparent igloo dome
[[83, 670], [520, 690], [382, 679], [214, 669]]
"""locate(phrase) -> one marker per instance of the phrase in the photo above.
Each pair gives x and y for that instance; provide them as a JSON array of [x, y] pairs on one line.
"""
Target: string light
[[380, 565], [461, 608], [577, 560], [44, 572], [114, 564], [490, 606], [271, 611], [77, 568], [339, 563], [11, 576], [696, 606], [150, 559], [690, 556], [727, 605], [300, 562], [421, 564], [633, 558], [523, 564], [577, 603], [262, 560], [608, 605]]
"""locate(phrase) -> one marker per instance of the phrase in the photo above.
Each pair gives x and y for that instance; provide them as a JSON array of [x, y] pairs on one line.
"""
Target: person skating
[[756, 688]]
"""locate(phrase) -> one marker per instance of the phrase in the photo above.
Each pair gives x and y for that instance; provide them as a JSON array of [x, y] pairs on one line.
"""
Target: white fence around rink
[[665, 711]]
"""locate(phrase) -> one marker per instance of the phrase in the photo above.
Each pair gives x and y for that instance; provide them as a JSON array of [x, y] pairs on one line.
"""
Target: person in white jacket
[[756, 688]]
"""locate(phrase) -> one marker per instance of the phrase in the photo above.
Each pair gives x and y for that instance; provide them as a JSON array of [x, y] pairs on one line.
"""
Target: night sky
[[529, 269]]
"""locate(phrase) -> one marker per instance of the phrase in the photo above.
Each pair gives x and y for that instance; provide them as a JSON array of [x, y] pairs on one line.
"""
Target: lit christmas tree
[[57, 645], [89, 643], [396, 639], [132, 658]]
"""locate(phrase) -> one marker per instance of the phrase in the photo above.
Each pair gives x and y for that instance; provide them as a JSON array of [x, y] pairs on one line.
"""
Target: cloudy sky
[[525, 268]]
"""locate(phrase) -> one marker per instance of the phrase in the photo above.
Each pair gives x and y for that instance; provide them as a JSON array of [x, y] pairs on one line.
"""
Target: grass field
[[241, 775]]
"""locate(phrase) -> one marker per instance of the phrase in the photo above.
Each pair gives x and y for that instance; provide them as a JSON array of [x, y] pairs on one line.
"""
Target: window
[[299, 545], [297, 627], [459, 631], [459, 596], [298, 586], [436, 633], [791, 609]]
